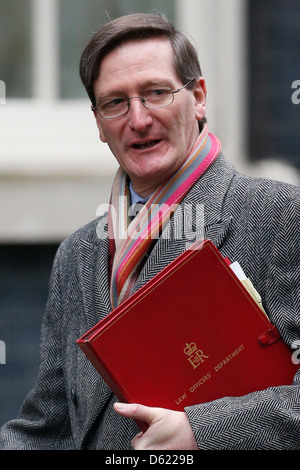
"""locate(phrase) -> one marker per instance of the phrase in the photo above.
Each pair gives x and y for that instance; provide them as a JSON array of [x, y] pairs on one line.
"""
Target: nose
[[140, 118]]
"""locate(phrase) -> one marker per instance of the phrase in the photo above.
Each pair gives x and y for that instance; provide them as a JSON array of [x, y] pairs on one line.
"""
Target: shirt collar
[[135, 197]]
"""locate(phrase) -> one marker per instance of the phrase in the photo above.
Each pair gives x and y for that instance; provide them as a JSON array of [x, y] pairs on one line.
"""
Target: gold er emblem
[[196, 356]]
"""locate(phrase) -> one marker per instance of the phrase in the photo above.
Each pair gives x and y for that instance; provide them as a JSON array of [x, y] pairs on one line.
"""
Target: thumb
[[136, 411]]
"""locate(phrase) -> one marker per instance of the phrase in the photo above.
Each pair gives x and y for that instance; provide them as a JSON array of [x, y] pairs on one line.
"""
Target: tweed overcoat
[[254, 221]]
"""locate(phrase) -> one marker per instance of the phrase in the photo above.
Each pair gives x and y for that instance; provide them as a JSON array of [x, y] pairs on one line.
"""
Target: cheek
[[102, 134], [180, 129], [111, 133], [176, 124]]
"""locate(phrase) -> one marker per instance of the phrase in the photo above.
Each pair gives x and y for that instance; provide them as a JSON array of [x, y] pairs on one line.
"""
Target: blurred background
[[55, 172]]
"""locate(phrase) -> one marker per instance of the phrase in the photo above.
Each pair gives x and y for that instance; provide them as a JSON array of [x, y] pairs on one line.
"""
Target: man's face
[[149, 144]]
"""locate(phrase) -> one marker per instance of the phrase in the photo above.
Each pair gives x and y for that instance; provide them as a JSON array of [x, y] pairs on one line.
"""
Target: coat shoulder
[[263, 192], [89, 233], [85, 239]]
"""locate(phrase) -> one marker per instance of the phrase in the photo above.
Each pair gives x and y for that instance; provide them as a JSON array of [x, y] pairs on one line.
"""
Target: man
[[148, 98]]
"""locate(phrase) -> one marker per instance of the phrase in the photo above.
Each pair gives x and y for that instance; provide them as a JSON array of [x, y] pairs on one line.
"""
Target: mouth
[[145, 145]]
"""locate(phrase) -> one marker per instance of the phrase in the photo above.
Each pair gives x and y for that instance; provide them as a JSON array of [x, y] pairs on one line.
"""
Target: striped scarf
[[133, 238]]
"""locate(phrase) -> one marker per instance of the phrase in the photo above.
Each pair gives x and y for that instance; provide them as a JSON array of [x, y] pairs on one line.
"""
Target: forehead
[[137, 61]]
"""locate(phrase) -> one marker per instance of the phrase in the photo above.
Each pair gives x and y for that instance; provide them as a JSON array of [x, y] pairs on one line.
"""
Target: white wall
[[54, 170]]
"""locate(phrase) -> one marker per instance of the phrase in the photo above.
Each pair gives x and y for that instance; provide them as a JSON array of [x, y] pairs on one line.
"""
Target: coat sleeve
[[268, 419], [43, 422]]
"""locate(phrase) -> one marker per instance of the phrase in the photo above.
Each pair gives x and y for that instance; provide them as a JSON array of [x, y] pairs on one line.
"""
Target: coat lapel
[[93, 258], [101, 282]]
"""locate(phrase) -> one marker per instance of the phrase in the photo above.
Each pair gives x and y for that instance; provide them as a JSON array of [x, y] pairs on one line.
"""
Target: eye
[[158, 92], [158, 96], [113, 103]]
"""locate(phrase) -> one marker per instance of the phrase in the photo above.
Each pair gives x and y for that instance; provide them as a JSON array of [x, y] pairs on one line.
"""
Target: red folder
[[190, 335]]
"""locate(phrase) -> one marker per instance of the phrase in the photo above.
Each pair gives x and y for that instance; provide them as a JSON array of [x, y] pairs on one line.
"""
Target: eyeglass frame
[[95, 108]]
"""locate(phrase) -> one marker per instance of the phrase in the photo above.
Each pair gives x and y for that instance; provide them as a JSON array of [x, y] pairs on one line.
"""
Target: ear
[[98, 122], [200, 98]]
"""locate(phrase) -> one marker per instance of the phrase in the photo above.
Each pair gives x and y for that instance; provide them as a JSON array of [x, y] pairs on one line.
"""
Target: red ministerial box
[[192, 334]]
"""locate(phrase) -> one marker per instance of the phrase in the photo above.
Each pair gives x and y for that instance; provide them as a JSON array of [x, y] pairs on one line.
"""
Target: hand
[[168, 430]]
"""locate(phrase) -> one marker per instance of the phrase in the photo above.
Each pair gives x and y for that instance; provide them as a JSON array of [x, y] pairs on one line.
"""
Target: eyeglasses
[[153, 98]]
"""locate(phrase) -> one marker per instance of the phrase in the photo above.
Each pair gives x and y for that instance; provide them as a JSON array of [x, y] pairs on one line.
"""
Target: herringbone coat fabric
[[254, 221]]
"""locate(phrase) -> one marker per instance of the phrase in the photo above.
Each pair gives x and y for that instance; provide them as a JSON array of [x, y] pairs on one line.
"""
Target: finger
[[136, 411]]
